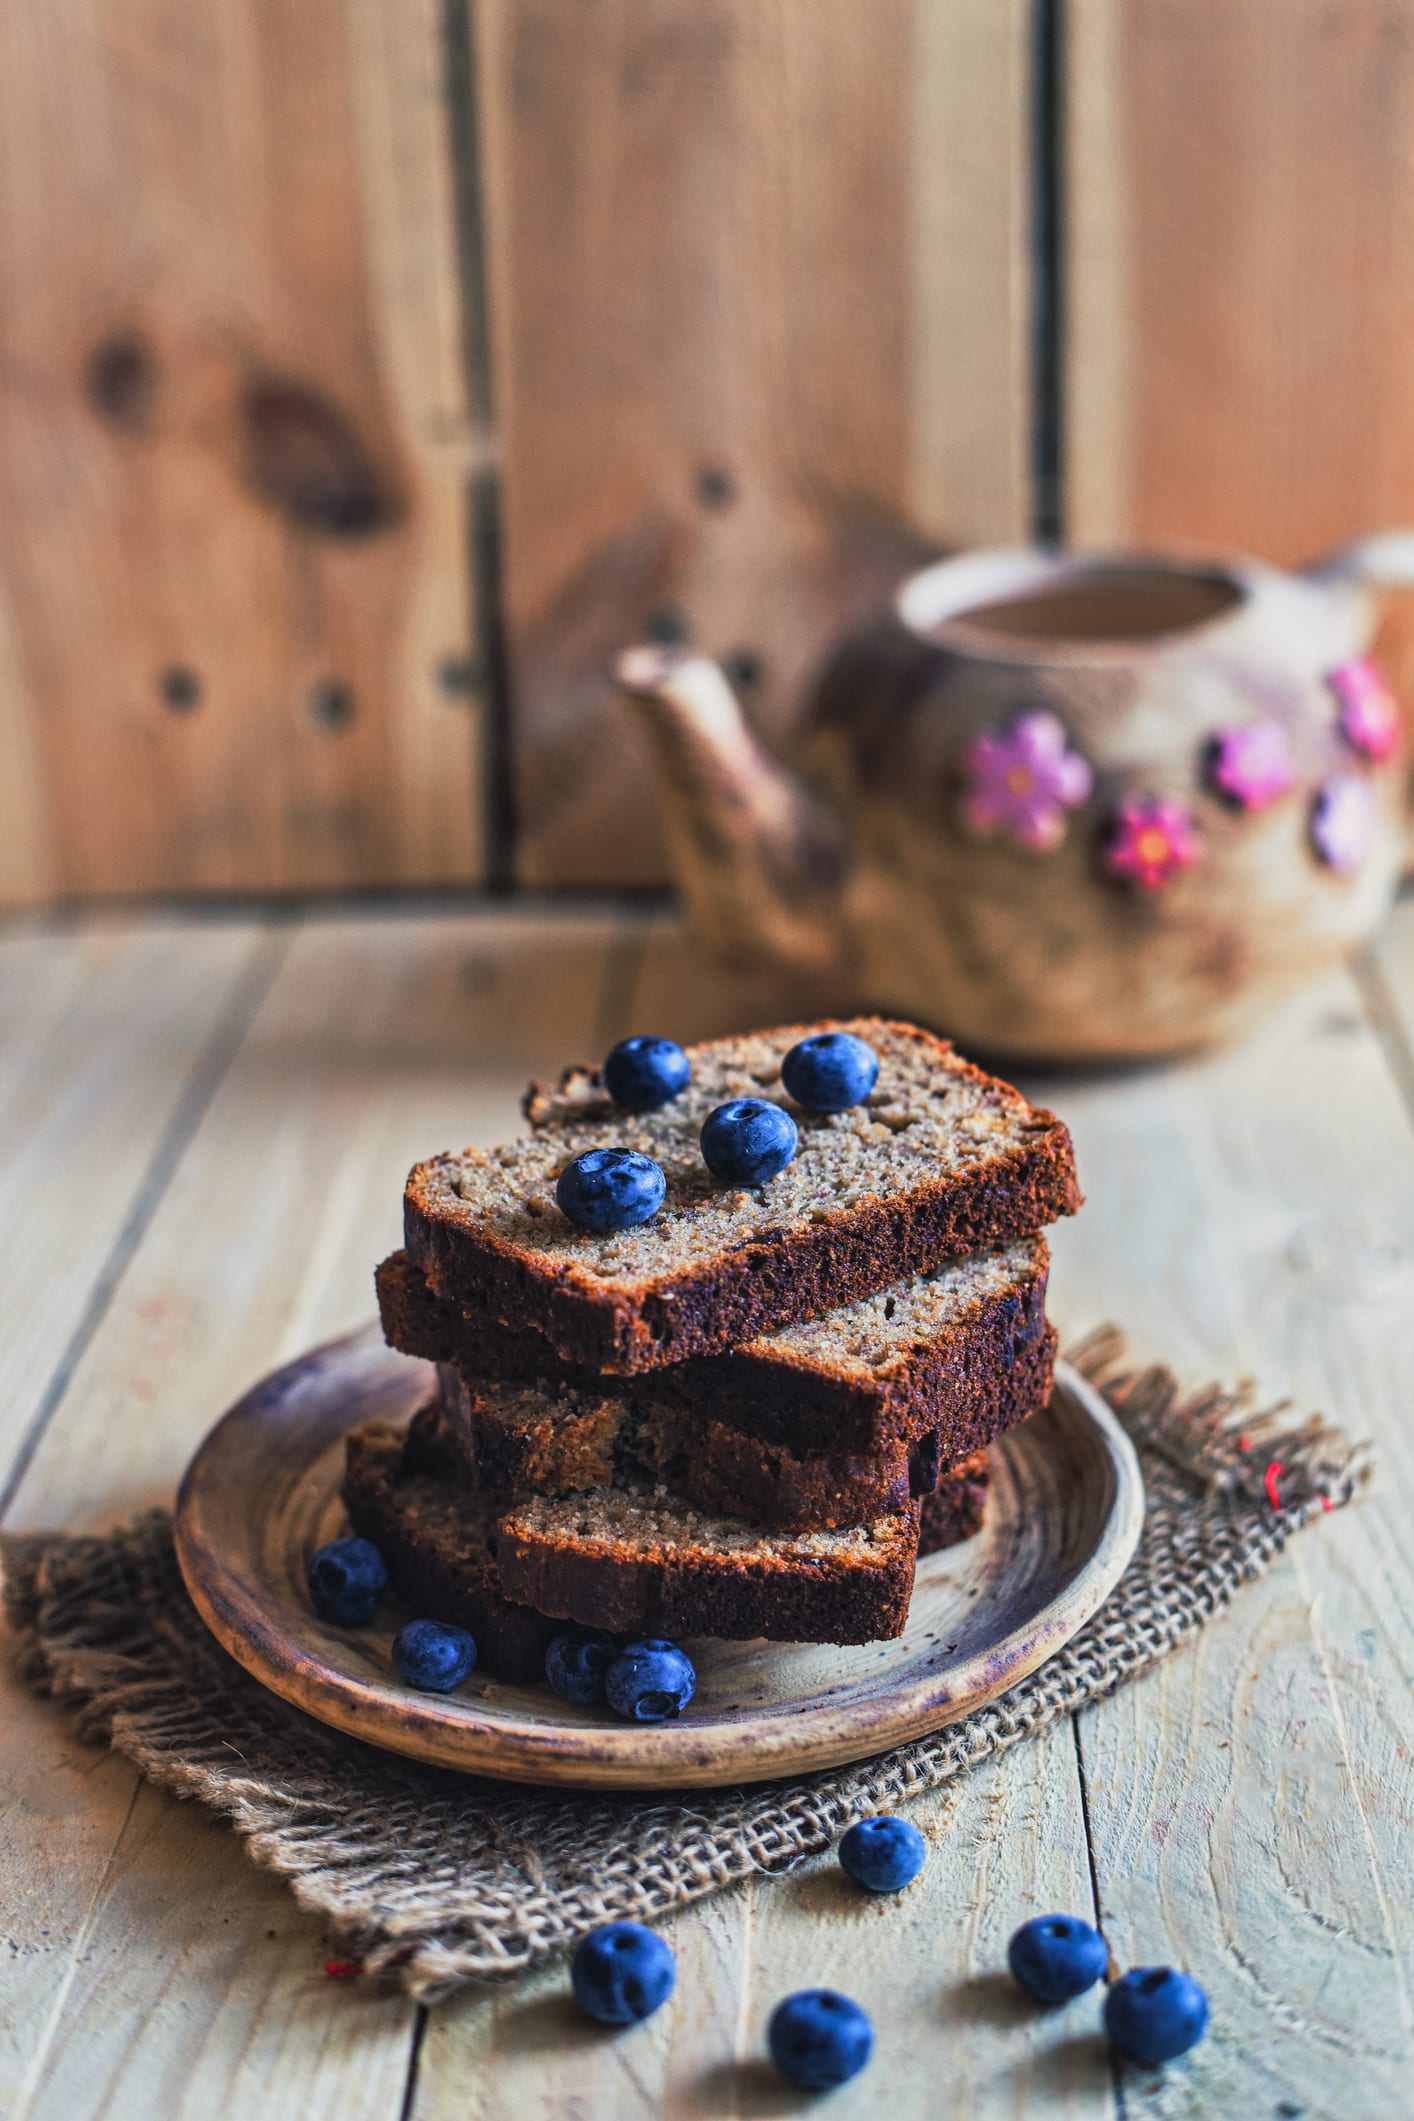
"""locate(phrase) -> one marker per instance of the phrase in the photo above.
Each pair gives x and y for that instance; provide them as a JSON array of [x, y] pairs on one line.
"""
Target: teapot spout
[[758, 859]]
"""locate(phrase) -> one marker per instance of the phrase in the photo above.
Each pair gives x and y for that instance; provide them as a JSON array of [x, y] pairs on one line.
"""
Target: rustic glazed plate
[[1064, 1518]]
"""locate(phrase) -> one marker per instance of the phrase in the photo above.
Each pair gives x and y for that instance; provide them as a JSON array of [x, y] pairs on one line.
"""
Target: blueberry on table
[[1057, 1957], [1155, 2013], [883, 1854], [819, 2038], [830, 1071], [747, 1141], [622, 1972], [610, 1189], [346, 1580], [643, 1073], [649, 1681], [432, 1656], [575, 1664]]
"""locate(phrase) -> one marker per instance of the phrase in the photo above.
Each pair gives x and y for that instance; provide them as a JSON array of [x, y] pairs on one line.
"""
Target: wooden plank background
[[369, 370]]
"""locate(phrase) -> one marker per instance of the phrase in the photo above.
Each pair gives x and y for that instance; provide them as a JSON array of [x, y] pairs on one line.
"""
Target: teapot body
[[1103, 808]]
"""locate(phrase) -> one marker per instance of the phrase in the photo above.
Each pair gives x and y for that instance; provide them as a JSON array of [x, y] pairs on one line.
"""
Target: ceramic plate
[[1064, 1517]]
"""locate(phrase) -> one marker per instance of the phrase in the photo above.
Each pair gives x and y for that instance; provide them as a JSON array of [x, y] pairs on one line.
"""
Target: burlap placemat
[[435, 1879]]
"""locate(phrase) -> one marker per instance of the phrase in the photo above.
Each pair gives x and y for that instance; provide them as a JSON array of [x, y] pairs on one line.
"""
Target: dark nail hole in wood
[[181, 688], [460, 675], [306, 458], [333, 705], [121, 382], [744, 668], [667, 627], [716, 488]]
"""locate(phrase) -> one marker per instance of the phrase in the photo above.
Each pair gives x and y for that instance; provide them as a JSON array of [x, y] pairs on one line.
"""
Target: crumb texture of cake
[[621, 1558], [940, 1159], [522, 1440], [963, 1351]]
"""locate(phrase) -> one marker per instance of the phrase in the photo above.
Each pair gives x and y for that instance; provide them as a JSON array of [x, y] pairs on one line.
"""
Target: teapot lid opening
[[1044, 604]]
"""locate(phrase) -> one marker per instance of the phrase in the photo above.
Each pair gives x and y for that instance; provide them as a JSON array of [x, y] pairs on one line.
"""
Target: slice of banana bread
[[959, 1349], [548, 1439], [940, 1159], [532, 1439], [625, 1559]]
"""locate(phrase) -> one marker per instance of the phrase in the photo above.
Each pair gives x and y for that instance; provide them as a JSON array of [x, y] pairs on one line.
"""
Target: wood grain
[[1241, 219], [234, 444], [741, 381], [1250, 1802], [382, 1038]]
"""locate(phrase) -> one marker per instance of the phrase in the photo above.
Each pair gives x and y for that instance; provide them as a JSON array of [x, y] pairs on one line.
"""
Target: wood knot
[[120, 381], [306, 458]]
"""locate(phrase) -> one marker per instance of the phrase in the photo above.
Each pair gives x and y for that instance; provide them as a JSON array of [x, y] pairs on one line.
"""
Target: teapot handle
[[1383, 560]]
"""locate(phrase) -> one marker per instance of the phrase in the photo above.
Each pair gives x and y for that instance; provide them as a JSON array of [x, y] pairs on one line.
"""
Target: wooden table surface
[[204, 1126]]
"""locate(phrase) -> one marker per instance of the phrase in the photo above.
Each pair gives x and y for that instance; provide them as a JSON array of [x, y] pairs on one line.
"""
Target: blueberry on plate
[[1056, 1957], [643, 1073], [830, 1071], [432, 1656], [575, 1664], [346, 1580], [610, 1189], [747, 1141], [883, 1854], [649, 1681], [1155, 2013], [819, 2038], [622, 1972]]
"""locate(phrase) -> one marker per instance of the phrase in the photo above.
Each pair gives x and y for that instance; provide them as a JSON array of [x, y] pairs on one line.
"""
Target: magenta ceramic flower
[[1152, 838], [1021, 781], [1251, 765], [1343, 821], [1369, 714]]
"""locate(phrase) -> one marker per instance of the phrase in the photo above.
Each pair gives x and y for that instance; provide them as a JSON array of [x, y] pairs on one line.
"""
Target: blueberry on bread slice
[[940, 1159], [954, 1351]]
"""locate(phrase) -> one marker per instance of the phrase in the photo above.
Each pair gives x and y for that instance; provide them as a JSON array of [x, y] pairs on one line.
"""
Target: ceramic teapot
[[1061, 806]]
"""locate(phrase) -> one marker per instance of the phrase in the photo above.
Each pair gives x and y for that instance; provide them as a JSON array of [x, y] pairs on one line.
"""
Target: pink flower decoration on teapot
[[1369, 714], [1152, 838], [1343, 822], [1251, 765], [1021, 781]]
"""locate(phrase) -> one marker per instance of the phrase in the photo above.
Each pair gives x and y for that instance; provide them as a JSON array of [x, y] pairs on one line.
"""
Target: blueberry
[[747, 1141], [649, 1681], [643, 1073], [346, 1580], [830, 1071], [1056, 1957], [819, 2038], [433, 1657], [883, 1854], [576, 1662], [1154, 2013], [610, 1189], [622, 1972]]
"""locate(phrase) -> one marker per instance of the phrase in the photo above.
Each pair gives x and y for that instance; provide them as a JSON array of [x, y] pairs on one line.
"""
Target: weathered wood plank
[[382, 1039], [1241, 217], [1251, 1802], [1006, 1842], [744, 373], [233, 450], [104, 1033]]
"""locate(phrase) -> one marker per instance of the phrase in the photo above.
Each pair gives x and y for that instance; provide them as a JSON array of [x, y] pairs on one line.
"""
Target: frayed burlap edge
[[434, 1880]]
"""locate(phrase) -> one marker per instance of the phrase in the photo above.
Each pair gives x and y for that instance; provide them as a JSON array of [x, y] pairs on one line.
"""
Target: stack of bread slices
[[745, 1417]]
